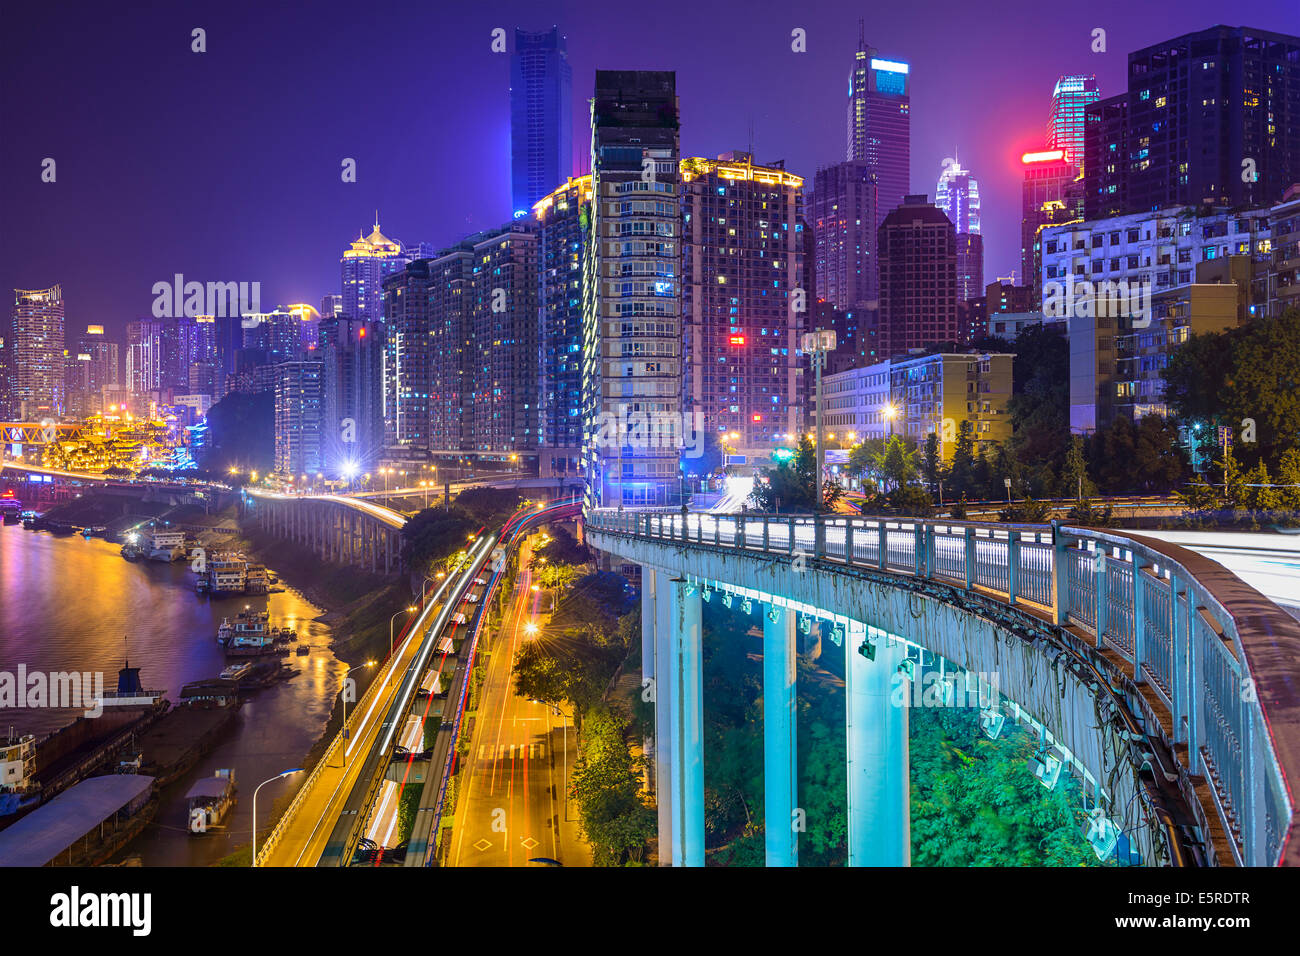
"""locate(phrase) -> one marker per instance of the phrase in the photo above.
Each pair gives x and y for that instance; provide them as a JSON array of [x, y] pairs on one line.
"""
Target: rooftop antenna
[[862, 34], [751, 140]]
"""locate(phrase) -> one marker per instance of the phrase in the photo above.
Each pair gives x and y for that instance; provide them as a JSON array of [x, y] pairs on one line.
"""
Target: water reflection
[[71, 604]]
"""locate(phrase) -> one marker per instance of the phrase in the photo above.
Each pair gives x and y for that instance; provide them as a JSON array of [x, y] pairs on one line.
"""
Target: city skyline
[[169, 182]]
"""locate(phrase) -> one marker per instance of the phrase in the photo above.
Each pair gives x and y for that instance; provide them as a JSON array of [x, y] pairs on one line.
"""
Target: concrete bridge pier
[[679, 717], [879, 790], [780, 777]]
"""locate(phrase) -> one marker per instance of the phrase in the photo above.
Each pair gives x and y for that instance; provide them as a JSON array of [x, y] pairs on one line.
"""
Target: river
[[71, 604]]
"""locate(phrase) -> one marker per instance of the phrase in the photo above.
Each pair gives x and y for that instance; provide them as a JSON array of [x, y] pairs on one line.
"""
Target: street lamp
[[410, 610], [346, 675], [817, 344], [890, 411], [278, 776]]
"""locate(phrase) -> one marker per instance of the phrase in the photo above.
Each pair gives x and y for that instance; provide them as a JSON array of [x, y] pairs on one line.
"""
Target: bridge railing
[[1204, 643]]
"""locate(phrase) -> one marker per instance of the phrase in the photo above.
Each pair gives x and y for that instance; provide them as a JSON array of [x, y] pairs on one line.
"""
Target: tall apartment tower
[[409, 361], [1065, 130], [1208, 117], [299, 412], [563, 221], [366, 262], [352, 426], [632, 370], [918, 278], [879, 123], [503, 339], [144, 356], [92, 367], [37, 361], [541, 117], [742, 258], [958, 195], [844, 222]]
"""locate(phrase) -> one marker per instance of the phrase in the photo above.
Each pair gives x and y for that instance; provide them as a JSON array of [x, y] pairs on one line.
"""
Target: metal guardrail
[[1219, 655]]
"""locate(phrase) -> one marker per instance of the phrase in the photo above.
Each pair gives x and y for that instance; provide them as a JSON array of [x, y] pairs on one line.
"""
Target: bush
[[1025, 512]]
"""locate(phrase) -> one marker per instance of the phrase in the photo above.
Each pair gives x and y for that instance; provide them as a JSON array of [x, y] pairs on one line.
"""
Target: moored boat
[[209, 800]]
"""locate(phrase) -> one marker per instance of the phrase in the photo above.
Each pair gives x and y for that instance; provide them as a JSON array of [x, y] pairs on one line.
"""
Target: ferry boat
[[133, 547], [18, 789], [130, 691], [167, 546], [236, 671], [209, 800], [251, 635]]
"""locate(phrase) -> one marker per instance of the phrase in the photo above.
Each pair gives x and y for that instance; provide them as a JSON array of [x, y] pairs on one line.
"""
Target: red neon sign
[[737, 340]]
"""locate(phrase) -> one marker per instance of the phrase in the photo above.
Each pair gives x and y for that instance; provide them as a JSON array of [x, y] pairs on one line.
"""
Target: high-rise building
[[277, 335], [918, 279], [1070, 98], [563, 220], [1208, 117], [186, 340], [879, 123], [409, 358], [93, 364], [1051, 194], [958, 196], [632, 296], [351, 353], [541, 117], [37, 360], [742, 249], [8, 406], [364, 266], [503, 344], [299, 410], [844, 221], [331, 305], [144, 356]]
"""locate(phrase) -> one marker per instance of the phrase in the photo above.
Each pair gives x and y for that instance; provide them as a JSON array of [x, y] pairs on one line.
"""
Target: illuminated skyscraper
[[958, 195], [144, 356], [879, 124], [843, 215], [37, 359], [631, 330], [742, 256], [541, 117], [1051, 194], [1070, 99], [299, 411], [365, 265], [1208, 117], [563, 218]]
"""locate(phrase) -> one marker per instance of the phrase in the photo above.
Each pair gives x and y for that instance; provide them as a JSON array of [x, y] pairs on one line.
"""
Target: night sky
[[225, 165]]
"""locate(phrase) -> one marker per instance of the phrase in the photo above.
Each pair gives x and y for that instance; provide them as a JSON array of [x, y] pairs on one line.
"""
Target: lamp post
[[278, 776], [410, 610], [890, 411], [562, 714], [817, 344], [346, 676]]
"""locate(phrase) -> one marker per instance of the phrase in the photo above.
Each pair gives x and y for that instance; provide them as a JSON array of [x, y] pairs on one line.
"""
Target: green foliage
[[792, 485], [1074, 473], [897, 461], [432, 536], [1086, 513], [932, 464], [1248, 372], [606, 784], [407, 809], [1040, 404], [1137, 459], [1028, 511], [488, 506], [564, 548], [962, 477], [976, 803]]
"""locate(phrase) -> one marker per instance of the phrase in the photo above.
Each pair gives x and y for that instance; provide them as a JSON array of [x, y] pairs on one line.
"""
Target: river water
[[71, 604]]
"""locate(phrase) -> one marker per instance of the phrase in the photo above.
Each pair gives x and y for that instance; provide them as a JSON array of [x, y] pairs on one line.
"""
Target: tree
[[1040, 401], [791, 485], [932, 464], [564, 548], [961, 474], [1074, 475], [606, 785], [897, 462], [432, 536]]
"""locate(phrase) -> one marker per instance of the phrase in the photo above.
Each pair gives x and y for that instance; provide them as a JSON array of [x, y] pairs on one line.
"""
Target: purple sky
[[225, 165]]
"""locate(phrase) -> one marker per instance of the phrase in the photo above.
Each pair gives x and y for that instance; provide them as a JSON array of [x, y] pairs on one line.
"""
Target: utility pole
[[817, 344]]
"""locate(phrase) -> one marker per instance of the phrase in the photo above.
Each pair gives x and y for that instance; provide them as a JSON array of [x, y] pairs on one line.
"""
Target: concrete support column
[[685, 673], [780, 779], [878, 765], [660, 584], [649, 594]]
